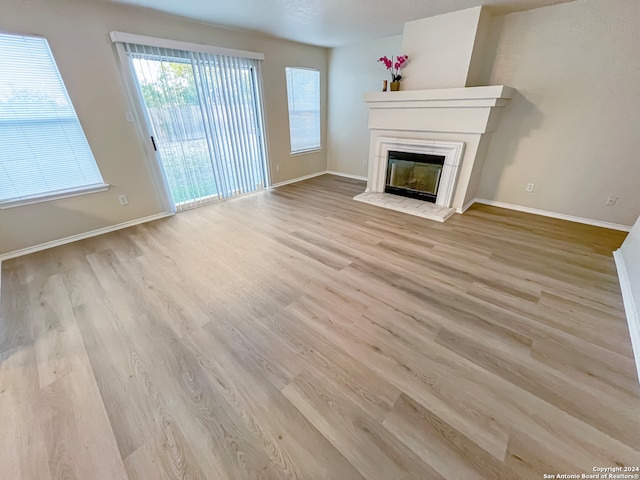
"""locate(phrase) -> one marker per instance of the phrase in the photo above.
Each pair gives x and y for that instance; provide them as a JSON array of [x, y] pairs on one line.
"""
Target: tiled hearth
[[411, 206]]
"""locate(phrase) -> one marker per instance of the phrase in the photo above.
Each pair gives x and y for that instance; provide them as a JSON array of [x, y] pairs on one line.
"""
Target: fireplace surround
[[455, 123]]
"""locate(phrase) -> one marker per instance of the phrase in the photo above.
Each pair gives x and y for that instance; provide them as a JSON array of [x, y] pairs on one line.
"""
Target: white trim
[[121, 37], [561, 216], [305, 151], [81, 236], [264, 135], [466, 206], [490, 92], [298, 179], [633, 317], [317, 174], [346, 175], [47, 197], [143, 128]]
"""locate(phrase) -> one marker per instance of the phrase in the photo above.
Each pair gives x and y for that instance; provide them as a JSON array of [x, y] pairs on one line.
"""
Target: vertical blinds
[[43, 150], [205, 111], [303, 93]]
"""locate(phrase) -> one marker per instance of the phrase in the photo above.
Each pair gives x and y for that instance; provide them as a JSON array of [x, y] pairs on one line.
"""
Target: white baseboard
[[466, 206], [317, 174], [347, 175], [298, 179], [81, 236], [561, 216], [633, 316]]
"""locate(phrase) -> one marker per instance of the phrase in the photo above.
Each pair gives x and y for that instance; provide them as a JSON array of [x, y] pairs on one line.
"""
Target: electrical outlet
[[530, 187], [277, 167], [128, 115], [611, 201], [123, 200]]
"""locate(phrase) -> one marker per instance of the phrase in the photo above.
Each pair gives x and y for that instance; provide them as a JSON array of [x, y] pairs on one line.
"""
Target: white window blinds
[[205, 114], [43, 150], [303, 92]]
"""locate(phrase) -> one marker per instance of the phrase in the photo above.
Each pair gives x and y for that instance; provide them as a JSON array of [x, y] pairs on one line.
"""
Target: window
[[43, 151], [303, 92]]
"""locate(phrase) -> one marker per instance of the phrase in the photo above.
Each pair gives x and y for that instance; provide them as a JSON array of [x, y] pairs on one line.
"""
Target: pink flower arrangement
[[395, 67]]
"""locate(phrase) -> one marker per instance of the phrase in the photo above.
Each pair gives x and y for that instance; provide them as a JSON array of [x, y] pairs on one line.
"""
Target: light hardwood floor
[[296, 333]]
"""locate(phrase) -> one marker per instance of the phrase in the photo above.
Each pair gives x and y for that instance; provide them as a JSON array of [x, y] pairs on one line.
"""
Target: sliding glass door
[[205, 116]]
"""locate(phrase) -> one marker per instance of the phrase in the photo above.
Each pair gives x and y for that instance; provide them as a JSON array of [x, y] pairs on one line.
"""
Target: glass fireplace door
[[414, 175], [423, 177]]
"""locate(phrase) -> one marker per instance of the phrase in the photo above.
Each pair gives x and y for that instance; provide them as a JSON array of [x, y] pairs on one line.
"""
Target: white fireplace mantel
[[494, 95], [463, 110], [463, 115]]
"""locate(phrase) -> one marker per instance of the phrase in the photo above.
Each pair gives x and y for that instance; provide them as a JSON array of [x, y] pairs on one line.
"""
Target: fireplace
[[454, 123], [417, 168], [414, 175]]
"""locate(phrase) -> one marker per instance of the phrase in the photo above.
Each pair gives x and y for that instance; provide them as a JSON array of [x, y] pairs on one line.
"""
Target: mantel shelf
[[494, 94]]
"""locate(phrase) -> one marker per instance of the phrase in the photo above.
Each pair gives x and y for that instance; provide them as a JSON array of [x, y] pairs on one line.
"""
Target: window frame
[[52, 195], [319, 148], [55, 195]]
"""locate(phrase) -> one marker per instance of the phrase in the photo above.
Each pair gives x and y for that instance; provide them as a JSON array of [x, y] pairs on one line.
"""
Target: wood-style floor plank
[[298, 334], [449, 451], [370, 447]]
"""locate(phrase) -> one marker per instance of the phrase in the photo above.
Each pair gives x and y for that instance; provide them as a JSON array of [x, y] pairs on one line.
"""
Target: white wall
[[629, 256], [353, 71], [440, 49], [630, 251], [481, 45], [78, 35], [572, 128]]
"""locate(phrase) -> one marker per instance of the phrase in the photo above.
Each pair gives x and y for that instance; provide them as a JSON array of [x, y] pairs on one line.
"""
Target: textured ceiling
[[327, 23]]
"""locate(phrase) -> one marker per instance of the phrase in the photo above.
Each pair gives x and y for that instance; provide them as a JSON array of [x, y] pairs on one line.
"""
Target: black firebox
[[414, 175]]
